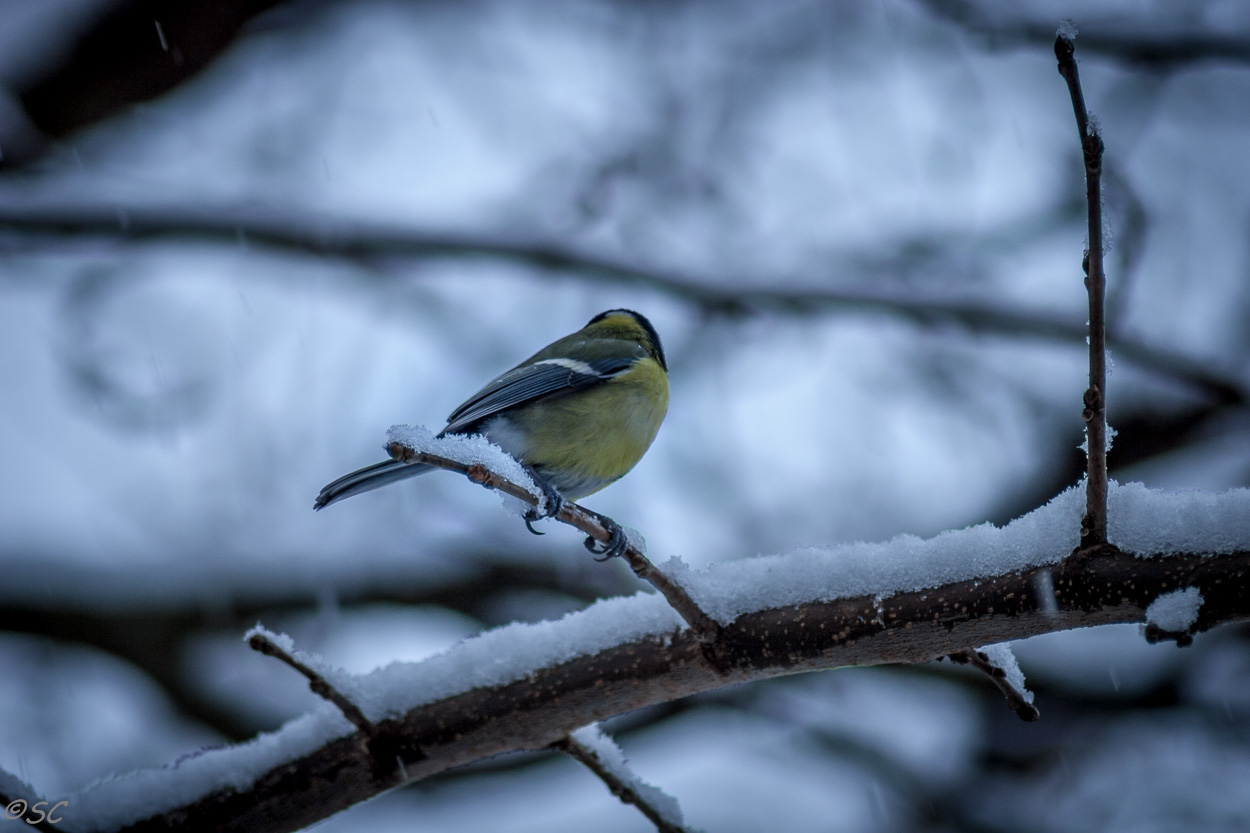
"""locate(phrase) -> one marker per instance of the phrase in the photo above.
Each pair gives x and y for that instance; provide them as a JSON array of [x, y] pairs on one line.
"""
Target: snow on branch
[[527, 686], [1172, 616]]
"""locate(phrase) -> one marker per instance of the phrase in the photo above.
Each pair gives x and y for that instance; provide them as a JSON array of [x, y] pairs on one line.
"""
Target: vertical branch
[[1094, 524]]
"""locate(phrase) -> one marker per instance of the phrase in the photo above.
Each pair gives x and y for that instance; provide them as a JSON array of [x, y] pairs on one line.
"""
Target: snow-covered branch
[[525, 687]]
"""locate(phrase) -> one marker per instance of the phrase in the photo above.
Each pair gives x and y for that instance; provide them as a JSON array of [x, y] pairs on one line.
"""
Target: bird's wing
[[534, 381]]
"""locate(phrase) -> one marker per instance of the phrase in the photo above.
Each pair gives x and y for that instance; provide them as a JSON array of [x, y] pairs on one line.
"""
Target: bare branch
[[1094, 525]]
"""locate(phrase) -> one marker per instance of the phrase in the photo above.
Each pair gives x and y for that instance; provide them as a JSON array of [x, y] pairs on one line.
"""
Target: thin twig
[[626, 791], [591, 523], [1094, 524], [1016, 700], [319, 684]]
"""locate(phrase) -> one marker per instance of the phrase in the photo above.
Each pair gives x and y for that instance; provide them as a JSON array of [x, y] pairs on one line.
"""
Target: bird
[[578, 415]]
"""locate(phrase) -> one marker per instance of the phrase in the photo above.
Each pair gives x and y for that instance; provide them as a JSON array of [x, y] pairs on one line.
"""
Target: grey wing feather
[[368, 479], [534, 381]]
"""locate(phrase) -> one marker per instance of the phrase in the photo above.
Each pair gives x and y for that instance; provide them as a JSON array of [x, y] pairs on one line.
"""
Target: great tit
[[578, 414]]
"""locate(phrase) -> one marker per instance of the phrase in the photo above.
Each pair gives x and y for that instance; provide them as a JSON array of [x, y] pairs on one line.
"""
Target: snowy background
[[857, 227]]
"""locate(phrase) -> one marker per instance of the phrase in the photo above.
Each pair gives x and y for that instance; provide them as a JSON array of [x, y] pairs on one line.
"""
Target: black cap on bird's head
[[653, 337]]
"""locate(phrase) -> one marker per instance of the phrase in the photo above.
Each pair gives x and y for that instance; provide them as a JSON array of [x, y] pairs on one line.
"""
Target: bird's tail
[[368, 479]]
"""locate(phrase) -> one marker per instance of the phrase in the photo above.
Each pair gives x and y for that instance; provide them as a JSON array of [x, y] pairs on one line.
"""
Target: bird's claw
[[615, 545], [554, 503]]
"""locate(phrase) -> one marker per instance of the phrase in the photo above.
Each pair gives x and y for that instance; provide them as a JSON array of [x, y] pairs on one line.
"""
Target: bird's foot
[[553, 502], [616, 543]]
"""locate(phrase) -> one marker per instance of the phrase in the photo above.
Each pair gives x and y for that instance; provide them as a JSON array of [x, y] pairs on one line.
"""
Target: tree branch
[[588, 522], [548, 703], [1094, 525], [1016, 700], [319, 685], [622, 783], [372, 244]]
